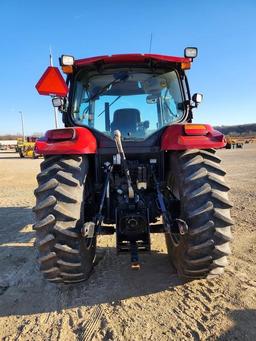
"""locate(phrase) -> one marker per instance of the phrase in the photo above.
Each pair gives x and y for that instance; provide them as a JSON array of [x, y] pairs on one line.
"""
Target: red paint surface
[[52, 83], [83, 142], [133, 57], [174, 138]]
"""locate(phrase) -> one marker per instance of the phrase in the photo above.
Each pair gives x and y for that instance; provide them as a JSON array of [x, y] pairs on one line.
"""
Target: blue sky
[[223, 31]]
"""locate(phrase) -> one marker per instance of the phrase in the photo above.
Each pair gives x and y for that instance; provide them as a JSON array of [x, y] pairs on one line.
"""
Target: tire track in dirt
[[193, 308], [198, 305], [91, 326]]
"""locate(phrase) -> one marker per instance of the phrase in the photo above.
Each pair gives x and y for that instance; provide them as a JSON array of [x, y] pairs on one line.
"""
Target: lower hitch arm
[[170, 225], [91, 228]]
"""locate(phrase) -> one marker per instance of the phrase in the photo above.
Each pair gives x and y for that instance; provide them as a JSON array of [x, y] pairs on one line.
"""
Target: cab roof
[[132, 57]]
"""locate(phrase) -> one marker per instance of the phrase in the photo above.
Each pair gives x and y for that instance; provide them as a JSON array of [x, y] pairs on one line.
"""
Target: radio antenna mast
[[150, 42], [51, 59]]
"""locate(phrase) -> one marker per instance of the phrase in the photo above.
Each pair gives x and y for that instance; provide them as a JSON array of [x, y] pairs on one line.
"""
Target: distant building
[[8, 142]]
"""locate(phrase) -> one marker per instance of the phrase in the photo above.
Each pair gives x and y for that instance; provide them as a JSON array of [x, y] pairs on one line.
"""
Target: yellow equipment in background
[[26, 148], [19, 144], [234, 142]]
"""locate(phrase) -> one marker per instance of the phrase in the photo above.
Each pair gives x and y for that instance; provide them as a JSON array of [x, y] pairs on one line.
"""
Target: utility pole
[[22, 125], [54, 108]]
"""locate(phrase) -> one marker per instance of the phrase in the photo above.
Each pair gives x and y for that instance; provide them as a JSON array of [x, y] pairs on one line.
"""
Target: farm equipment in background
[[234, 142], [3, 146], [7, 145], [26, 148], [130, 162]]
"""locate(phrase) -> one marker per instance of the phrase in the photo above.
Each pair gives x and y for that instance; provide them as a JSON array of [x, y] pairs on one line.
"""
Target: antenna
[[51, 59], [150, 42]]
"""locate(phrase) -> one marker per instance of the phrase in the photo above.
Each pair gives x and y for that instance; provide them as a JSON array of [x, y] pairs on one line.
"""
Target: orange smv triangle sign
[[52, 83]]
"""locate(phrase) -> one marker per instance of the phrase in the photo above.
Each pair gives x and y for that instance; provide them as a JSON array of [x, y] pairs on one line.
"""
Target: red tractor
[[130, 162]]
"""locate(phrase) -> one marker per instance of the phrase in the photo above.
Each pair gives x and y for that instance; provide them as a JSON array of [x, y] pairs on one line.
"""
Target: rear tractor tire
[[197, 181], [64, 255]]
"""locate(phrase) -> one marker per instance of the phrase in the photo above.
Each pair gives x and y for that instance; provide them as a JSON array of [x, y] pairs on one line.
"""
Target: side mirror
[[57, 102], [197, 98]]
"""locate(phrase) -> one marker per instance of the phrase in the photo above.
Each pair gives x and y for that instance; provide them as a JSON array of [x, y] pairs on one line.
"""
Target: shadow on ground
[[23, 290], [244, 327], [12, 221]]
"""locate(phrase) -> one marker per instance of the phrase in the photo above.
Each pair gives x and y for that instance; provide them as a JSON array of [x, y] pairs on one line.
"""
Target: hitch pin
[[135, 265]]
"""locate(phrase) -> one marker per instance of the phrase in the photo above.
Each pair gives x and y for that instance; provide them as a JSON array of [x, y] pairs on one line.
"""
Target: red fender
[[73, 140], [191, 136]]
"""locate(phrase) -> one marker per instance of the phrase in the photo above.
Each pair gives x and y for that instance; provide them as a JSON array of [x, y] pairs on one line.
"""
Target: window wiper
[[116, 99], [169, 109], [120, 76], [167, 105]]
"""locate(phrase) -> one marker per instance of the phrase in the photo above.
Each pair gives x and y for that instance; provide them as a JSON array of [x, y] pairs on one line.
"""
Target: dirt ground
[[117, 303]]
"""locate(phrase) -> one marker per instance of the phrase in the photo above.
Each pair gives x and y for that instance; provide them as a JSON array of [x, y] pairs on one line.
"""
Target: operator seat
[[126, 120]]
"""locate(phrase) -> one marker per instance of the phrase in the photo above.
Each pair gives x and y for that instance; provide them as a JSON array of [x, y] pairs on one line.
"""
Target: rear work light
[[190, 52], [195, 129], [67, 60], [61, 134]]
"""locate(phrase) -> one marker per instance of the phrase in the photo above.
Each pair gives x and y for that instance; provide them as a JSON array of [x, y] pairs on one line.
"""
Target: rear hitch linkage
[[171, 226], [91, 228], [133, 244]]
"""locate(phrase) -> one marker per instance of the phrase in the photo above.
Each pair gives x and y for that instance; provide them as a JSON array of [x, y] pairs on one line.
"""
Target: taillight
[[61, 134], [195, 129]]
